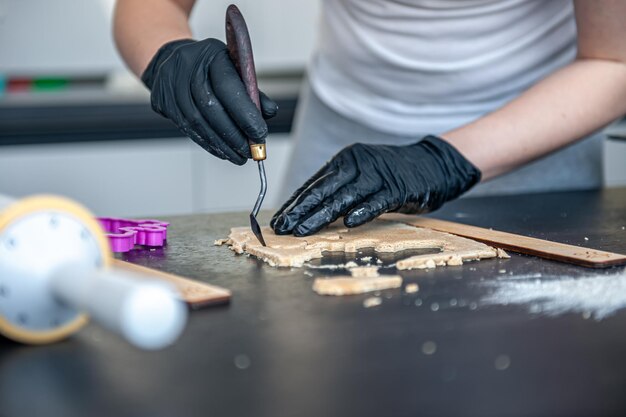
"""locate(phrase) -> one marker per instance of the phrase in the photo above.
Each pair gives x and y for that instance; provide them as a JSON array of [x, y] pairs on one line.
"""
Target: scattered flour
[[596, 296]]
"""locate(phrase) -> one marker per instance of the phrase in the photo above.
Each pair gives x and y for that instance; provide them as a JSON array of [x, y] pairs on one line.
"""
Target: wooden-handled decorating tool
[[240, 50]]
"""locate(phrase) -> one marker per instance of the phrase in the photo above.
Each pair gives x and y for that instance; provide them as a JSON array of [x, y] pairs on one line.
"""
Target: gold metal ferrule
[[258, 151]]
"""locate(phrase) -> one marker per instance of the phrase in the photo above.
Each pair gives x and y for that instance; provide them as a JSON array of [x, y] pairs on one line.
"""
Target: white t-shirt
[[418, 66]]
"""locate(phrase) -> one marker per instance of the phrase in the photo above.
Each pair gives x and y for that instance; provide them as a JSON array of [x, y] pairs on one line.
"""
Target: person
[[419, 101]]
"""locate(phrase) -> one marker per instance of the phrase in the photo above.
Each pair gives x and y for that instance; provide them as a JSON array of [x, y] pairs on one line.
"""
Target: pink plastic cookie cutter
[[124, 234]]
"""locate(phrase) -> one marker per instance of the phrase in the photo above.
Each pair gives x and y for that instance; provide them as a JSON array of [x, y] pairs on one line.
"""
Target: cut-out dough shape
[[381, 235], [364, 271], [345, 285]]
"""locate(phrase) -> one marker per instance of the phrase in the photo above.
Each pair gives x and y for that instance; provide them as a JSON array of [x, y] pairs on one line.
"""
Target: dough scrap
[[372, 302], [502, 254], [346, 285], [411, 288], [364, 271], [381, 235], [347, 265]]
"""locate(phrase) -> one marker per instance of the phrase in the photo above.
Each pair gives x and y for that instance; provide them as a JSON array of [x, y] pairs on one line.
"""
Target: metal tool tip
[[256, 229]]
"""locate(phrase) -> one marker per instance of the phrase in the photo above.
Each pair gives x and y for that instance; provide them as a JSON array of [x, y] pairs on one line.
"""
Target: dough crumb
[[351, 264], [455, 261], [429, 264], [502, 254], [220, 242], [345, 285], [411, 288], [372, 302], [366, 258], [364, 271]]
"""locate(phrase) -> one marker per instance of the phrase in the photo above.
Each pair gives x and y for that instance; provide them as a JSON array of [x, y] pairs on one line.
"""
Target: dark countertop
[[280, 349]]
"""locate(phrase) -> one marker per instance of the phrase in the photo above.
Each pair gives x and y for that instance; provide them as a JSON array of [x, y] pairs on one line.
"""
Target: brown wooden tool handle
[[240, 51], [522, 244]]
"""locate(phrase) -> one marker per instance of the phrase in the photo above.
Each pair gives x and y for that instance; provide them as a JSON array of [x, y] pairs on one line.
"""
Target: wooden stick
[[195, 293], [522, 244]]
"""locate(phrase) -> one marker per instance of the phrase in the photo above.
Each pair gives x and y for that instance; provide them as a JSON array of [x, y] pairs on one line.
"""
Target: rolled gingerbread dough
[[381, 235]]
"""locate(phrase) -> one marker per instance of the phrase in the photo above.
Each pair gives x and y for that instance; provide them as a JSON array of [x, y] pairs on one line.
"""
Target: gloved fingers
[[214, 113], [370, 208], [269, 108], [330, 210], [210, 142], [286, 205], [194, 125], [232, 93], [335, 176]]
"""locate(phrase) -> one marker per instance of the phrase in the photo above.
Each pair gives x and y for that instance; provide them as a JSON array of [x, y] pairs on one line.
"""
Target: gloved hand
[[195, 84], [362, 182]]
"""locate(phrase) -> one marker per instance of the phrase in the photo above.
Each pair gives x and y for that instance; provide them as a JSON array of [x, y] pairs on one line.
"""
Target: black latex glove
[[195, 84], [362, 182]]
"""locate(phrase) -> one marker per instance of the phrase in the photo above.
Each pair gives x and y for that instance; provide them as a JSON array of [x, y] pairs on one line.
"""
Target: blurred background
[[74, 121]]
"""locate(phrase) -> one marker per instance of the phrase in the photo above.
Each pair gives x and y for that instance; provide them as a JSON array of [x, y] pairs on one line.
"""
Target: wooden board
[[576, 255], [195, 293]]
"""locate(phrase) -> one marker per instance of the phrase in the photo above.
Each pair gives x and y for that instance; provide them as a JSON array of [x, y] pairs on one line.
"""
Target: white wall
[[141, 178], [282, 31], [162, 177], [73, 37], [56, 37], [222, 186], [136, 178]]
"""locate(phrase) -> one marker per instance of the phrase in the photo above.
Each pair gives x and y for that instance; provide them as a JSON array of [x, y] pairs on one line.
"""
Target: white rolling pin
[[55, 269], [146, 313]]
